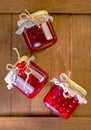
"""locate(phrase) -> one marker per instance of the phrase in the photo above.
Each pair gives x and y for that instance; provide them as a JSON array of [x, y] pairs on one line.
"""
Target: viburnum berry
[[22, 67]]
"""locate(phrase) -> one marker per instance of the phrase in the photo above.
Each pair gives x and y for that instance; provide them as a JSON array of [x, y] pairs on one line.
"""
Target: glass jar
[[37, 30], [27, 77], [63, 98]]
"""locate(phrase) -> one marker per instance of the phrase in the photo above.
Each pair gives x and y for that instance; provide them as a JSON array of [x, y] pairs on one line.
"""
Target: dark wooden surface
[[72, 23]]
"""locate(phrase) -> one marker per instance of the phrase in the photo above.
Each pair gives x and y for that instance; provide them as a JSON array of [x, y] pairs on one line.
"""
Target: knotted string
[[27, 72], [68, 85], [17, 52], [10, 66], [72, 86], [27, 20], [27, 15], [28, 69]]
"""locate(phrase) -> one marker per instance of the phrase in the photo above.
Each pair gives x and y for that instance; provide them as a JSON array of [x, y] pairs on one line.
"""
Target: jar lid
[[39, 13], [23, 58], [69, 91], [72, 85], [29, 20]]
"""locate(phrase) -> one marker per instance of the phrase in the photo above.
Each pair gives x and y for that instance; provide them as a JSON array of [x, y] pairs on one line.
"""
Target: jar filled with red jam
[[64, 96], [37, 30], [26, 76]]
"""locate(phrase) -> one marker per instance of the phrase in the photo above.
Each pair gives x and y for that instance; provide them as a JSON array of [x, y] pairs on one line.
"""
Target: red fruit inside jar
[[40, 37], [62, 106], [36, 80]]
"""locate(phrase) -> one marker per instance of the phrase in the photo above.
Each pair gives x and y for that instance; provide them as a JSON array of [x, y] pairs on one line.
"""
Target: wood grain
[[20, 104], [42, 60], [53, 6], [80, 55], [5, 58], [72, 23], [89, 63], [62, 57], [38, 123], [60, 52]]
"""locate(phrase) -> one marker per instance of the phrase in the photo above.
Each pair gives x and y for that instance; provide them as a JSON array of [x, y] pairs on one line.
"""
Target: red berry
[[19, 65], [21, 72], [23, 63], [23, 69]]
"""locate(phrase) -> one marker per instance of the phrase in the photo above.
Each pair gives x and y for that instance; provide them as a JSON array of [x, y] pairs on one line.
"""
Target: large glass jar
[[63, 98], [37, 30], [27, 77]]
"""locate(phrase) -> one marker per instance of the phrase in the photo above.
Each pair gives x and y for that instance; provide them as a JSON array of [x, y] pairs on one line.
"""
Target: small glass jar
[[37, 30], [63, 98], [27, 77]]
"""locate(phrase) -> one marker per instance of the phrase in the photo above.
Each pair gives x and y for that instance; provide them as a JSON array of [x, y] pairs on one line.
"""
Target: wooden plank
[[5, 58], [20, 104], [60, 52], [42, 60], [28, 106], [14, 123], [54, 56], [80, 57], [89, 63], [53, 6]]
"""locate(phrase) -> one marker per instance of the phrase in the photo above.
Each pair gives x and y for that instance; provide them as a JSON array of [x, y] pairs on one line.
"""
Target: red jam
[[36, 81], [62, 106], [40, 37]]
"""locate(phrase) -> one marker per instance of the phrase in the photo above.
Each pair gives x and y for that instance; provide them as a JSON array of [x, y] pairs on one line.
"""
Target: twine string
[[27, 15], [66, 79], [28, 70], [17, 52], [10, 66]]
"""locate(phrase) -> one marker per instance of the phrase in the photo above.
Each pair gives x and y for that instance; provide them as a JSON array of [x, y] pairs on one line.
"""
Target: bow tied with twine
[[28, 20], [70, 88], [19, 68]]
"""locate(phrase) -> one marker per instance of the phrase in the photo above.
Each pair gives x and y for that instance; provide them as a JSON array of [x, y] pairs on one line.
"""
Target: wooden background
[[72, 23]]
